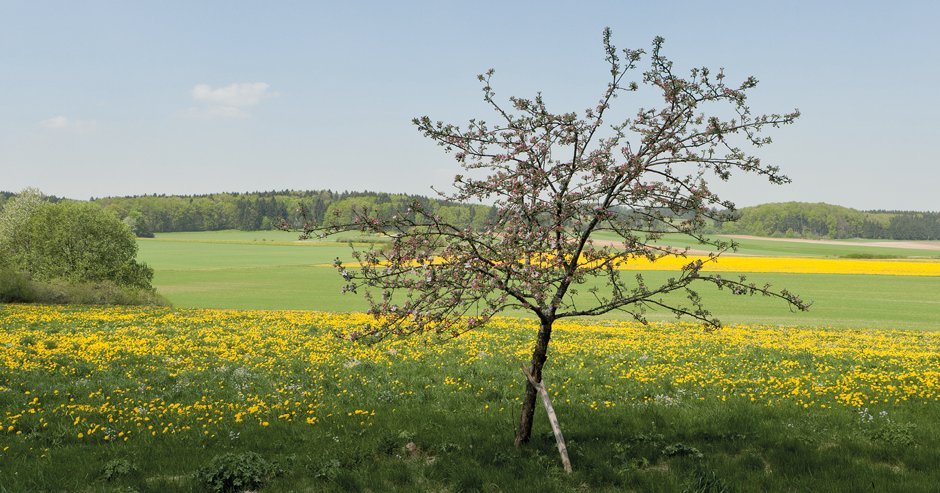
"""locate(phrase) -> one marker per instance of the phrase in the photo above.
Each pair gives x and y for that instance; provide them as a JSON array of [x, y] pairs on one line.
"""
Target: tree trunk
[[528, 402]]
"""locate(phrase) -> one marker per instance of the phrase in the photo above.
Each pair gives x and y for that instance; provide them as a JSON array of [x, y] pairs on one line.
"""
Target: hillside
[[821, 220]]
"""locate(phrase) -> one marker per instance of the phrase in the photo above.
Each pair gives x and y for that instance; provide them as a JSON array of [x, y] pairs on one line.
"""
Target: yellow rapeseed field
[[795, 265], [112, 374]]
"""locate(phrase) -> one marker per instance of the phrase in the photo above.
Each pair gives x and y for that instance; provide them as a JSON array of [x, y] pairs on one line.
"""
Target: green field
[[155, 399], [271, 270], [773, 248], [150, 399]]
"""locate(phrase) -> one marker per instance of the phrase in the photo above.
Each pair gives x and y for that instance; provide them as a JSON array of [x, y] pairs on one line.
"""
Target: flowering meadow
[[125, 382]]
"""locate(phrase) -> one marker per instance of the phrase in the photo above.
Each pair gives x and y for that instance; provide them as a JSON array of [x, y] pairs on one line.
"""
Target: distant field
[[746, 246], [271, 270], [775, 248]]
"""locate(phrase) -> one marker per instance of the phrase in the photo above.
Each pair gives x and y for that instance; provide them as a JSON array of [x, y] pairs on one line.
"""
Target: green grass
[[685, 438], [210, 255], [745, 448], [772, 248], [797, 249], [428, 434], [226, 270]]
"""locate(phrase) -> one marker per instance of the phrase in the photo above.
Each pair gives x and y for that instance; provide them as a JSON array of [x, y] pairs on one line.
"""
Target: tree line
[[820, 220], [149, 214]]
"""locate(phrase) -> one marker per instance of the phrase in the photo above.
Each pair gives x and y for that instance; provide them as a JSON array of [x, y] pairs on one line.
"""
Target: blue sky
[[115, 98]]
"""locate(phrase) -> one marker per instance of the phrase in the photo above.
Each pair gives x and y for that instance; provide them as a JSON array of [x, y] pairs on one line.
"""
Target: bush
[[868, 256], [15, 287], [69, 252], [898, 434], [81, 242], [117, 468], [682, 450], [233, 473], [104, 293], [19, 288]]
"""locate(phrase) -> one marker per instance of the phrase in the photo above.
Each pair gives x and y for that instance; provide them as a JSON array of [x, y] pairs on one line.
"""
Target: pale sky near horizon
[[103, 98]]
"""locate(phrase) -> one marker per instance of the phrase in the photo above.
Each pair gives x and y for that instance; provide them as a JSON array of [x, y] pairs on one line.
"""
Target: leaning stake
[[552, 418]]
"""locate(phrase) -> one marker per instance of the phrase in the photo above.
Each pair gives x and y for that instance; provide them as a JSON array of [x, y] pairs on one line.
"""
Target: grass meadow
[[775, 248], [131, 399], [270, 270], [257, 375]]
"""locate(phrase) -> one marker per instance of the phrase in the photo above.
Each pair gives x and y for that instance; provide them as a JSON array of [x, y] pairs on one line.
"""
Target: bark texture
[[539, 355]]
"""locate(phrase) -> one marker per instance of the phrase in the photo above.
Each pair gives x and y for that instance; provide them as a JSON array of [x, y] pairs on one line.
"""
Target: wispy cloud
[[231, 101], [60, 122]]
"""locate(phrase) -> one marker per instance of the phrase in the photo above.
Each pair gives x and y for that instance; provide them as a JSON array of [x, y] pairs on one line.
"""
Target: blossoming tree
[[555, 182]]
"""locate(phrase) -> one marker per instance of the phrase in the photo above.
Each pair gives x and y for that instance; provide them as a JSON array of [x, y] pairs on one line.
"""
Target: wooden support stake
[[552, 418]]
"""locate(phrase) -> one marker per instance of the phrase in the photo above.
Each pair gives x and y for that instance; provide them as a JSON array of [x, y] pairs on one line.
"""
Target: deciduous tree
[[68, 241], [556, 181], [80, 242], [14, 219]]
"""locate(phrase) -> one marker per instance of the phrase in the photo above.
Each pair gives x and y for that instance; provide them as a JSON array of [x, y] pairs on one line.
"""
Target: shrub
[[898, 434], [117, 468], [81, 242], [682, 450], [69, 252], [868, 256], [232, 473], [16, 287]]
